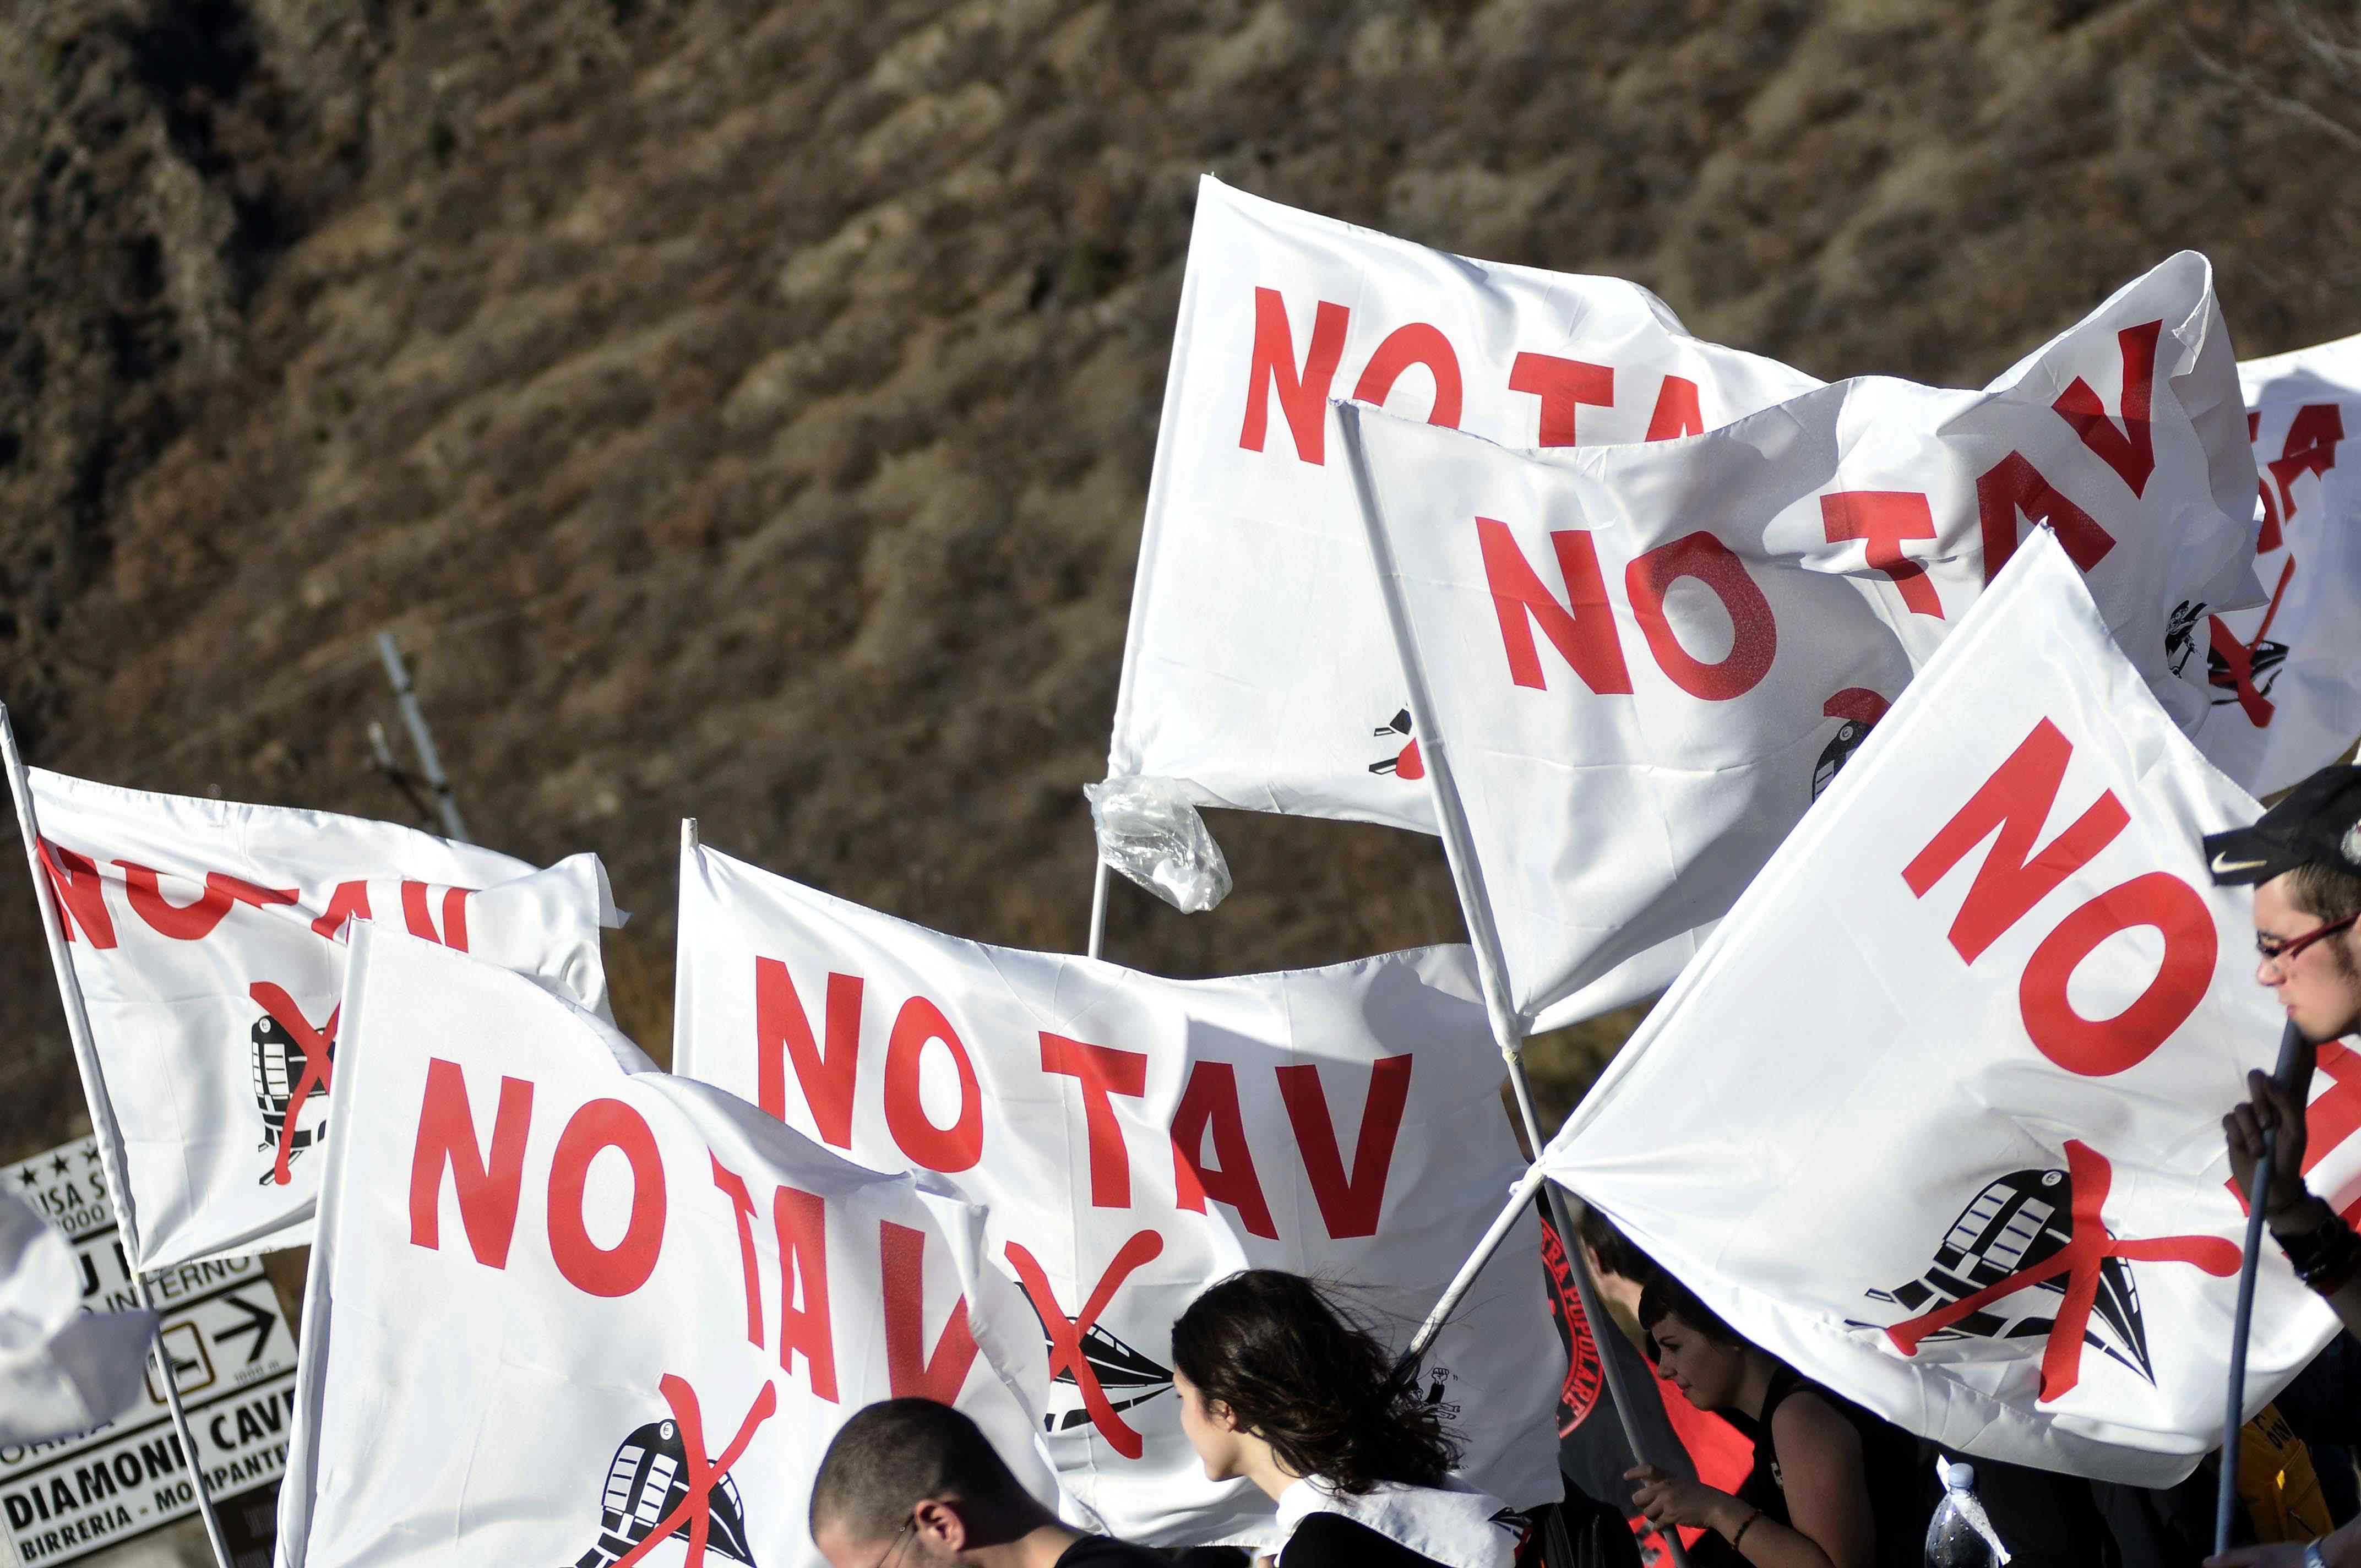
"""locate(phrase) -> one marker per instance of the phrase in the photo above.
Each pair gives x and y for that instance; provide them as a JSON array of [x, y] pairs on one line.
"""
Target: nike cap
[[2320, 820]]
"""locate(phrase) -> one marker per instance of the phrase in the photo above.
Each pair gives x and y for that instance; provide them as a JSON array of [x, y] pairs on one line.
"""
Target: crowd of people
[[1281, 1387]]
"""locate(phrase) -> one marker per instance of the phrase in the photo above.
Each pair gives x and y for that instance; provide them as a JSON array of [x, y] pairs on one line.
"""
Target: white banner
[[208, 939], [2287, 685], [1131, 1140], [62, 1370], [1636, 665], [1935, 1115], [565, 1308], [1257, 671]]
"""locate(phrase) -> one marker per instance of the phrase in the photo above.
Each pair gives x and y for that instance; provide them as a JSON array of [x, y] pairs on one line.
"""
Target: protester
[[911, 1482], [2304, 859], [1832, 1485], [1277, 1385]]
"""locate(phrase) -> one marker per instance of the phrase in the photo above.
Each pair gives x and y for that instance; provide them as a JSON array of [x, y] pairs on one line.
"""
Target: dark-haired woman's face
[[1705, 1370], [1209, 1431]]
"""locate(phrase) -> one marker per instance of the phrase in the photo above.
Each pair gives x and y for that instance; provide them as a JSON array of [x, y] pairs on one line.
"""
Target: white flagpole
[[1467, 881], [1098, 906], [430, 762], [102, 1120]]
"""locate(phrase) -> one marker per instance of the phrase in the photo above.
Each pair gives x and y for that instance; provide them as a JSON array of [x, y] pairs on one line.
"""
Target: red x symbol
[[2089, 1244], [316, 1046], [695, 1510], [2239, 657], [1066, 1334]]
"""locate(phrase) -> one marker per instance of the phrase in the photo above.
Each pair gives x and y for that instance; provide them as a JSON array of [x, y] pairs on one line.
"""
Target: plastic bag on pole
[[1149, 832]]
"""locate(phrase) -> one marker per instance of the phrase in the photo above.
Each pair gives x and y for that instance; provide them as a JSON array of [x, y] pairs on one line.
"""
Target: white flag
[[1636, 665], [1935, 1115], [2287, 684], [1257, 671], [1131, 1140], [208, 941], [564, 1308], [62, 1370]]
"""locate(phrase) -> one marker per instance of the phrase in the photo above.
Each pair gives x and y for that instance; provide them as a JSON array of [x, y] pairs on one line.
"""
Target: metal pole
[[2294, 1074], [103, 1124], [1098, 907], [430, 763]]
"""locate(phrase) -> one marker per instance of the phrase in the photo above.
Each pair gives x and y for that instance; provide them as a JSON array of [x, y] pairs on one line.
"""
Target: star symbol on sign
[[90, 1154], [30, 1176], [60, 1166]]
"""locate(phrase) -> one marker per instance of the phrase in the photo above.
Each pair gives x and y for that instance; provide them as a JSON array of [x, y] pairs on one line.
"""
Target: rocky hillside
[[744, 409]]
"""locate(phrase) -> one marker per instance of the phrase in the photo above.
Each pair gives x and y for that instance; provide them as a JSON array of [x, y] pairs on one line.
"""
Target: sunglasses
[[2270, 948], [903, 1537]]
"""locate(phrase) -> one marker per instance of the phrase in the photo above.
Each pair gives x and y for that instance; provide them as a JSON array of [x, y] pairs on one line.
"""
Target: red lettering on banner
[[2013, 485], [1582, 630], [2311, 448], [1101, 1071], [953, 1148], [1414, 344], [1067, 1360], [81, 889], [2130, 449], [910, 1369], [783, 1028], [693, 1515], [2017, 799], [193, 921], [801, 1221], [1350, 1201], [2333, 1116], [623, 1268], [2098, 1048], [487, 1190], [742, 1207], [1753, 633], [1563, 385], [1210, 1101], [350, 899], [454, 914], [1886, 518], [2089, 1246], [1303, 395], [318, 1048], [1676, 410]]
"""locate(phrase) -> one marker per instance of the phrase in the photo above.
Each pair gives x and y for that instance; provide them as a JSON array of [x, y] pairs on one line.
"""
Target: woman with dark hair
[[1277, 1386], [1832, 1486]]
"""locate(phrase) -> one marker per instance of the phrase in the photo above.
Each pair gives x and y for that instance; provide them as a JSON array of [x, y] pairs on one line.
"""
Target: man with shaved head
[[913, 1484]]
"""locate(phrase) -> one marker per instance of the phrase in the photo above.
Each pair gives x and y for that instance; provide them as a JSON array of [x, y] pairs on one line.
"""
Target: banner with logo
[[2286, 685], [1638, 664], [1131, 1140], [1277, 688], [1936, 1117], [62, 1370], [208, 940], [566, 1309]]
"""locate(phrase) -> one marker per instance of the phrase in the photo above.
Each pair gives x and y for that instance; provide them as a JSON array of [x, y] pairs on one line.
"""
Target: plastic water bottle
[[1961, 1534]]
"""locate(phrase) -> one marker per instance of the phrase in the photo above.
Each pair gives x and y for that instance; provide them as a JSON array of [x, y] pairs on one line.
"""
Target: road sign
[[232, 1356]]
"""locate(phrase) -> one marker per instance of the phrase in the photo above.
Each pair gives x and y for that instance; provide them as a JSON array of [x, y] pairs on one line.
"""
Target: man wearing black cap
[[2303, 860]]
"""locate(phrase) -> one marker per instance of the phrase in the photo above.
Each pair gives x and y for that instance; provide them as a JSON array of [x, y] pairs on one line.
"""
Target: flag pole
[[103, 1124], [2293, 1074], [430, 762], [1098, 905], [1468, 881]]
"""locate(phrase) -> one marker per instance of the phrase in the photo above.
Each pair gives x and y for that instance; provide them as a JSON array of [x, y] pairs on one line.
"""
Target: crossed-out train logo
[[660, 1484], [2030, 1256], [1861, 709], [291, 1060], [1405, 762]]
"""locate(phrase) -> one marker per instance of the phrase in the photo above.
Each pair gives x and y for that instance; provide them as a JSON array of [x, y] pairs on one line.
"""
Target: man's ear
[[939, 1524]]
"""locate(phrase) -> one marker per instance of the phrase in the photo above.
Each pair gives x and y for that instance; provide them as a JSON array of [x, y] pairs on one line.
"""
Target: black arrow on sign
[[259, 1320]]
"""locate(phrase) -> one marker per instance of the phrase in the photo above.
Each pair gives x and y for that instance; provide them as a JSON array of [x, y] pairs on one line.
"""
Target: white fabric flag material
[[1134, 1139], [1935, 1115], [2287, 683], [1640, 663], [566, 1309], [62, 1370], [208, 939], [1257, 672]]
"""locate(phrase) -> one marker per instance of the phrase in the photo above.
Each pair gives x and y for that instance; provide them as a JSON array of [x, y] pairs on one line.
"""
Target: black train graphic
[[2016, 1223], [1837, 752], [1126, 1377], [278, 1065], [648, 1479], [2267, 658]]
